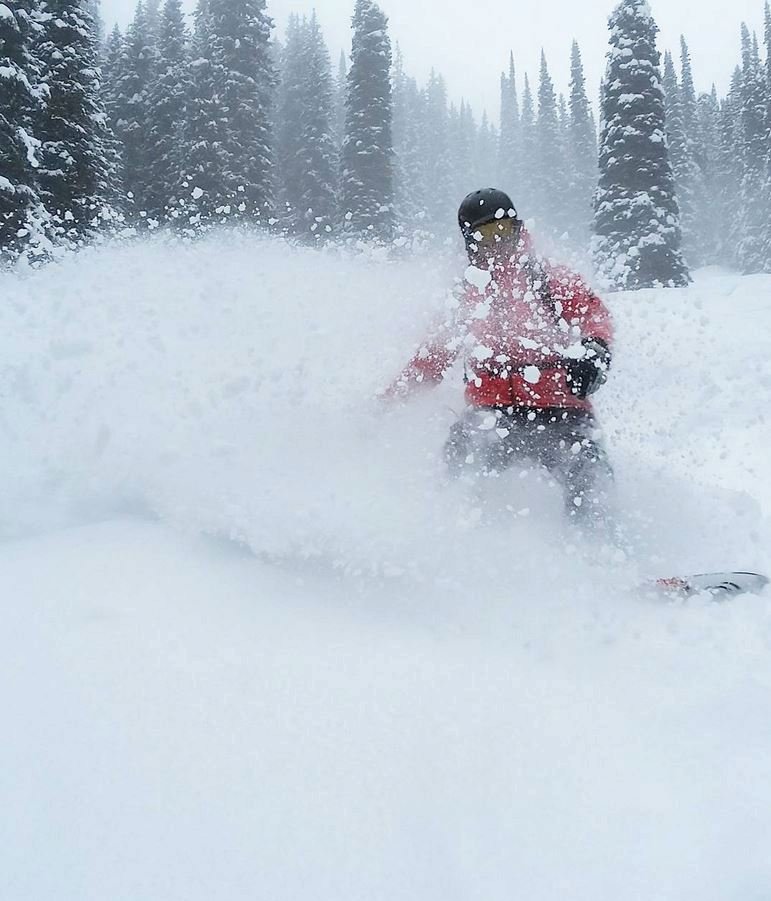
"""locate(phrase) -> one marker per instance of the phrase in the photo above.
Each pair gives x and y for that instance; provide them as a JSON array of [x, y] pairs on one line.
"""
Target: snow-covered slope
[[384, 687]]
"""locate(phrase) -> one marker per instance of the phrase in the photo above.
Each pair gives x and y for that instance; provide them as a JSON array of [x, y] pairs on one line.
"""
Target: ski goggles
[[495, 231]]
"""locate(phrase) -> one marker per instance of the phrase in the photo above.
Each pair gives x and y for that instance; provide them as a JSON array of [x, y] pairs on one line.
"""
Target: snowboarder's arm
[[582, 309], [589, 321], [428, 366]]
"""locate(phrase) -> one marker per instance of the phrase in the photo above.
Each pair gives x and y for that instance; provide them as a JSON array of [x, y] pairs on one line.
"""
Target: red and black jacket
[[517, 327]]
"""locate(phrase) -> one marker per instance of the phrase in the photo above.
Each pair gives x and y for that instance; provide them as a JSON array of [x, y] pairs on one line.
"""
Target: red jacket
[[517, 326]]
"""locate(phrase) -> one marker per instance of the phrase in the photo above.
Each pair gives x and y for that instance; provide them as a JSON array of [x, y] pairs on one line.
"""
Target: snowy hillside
[[255, 646]]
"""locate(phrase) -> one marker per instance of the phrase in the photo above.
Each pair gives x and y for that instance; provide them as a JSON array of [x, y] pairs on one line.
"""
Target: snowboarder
[[537, 344]]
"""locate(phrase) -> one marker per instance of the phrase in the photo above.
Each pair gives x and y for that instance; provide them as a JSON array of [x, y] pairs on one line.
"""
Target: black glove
[[589, 373]]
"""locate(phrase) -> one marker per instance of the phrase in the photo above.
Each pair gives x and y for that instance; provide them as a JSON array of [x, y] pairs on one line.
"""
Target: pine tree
[[94, 9], [317, 153], [566, 226], [465, 175], [130, 107], [167, 109], [291, 102], [637, 241], [693, 196], [201, 157], [581, 156], [673, 112], [754, 232], [74, 174], [525, 197], [767, 41], [458, 149], [688, 92], [22, 216], [113, 55], [509, 150], [367, 155], [202, 27], [767, 87], [563, 118], [709, 200], [111, 59], [408, 118], [306, 143], [728, 173], [550, 162], [680, 157], [436, 155], [243, 80], [341, 89], [153, 12], [485, 154]]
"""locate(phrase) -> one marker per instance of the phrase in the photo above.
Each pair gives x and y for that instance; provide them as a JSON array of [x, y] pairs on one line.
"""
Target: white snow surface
[[254, 645]]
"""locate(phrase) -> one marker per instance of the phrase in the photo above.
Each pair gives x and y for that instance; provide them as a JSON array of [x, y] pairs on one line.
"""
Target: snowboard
[[721, 586]]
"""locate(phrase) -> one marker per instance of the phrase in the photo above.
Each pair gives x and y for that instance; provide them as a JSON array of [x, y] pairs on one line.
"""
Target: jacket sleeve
[[429, 364], [581, 308]]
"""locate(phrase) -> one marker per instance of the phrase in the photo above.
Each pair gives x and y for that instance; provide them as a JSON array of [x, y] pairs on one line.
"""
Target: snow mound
[[229, 387], [479, 707]]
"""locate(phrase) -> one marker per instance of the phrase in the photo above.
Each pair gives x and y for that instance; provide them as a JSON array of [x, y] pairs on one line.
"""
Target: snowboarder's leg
[[479, 444], [588, 482], [574, 453]]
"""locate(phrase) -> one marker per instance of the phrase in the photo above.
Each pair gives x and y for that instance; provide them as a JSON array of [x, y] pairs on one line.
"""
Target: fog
[[470, 43]]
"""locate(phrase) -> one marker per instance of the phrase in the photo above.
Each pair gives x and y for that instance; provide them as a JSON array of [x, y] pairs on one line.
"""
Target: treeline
[[171, 126]]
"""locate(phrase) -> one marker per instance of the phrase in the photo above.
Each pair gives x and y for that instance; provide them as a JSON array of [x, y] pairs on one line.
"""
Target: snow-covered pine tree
[[524, 195], [75, 175], [673, 109], [409, 114], [550, 172], [201, 157], [637, 239], [306, 144], [22, 216], [317, 152], [698, 237], [582, 155], [567, 227], [130, 112], [167, 110], [436, 156], [341, 89], [290, 108], [708, 201], [767, 42], [459, 150], [509, 149], [112, 57], [767, 86], [563, 118], [244, 83], [367, 154], [754, 218], [728, 173], [94, 8], [688, 99], [465, 173], [153, 8], [680, 158], [485, 154]]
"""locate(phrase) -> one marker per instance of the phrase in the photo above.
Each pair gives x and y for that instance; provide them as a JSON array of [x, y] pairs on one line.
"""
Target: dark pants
[[487, 440]]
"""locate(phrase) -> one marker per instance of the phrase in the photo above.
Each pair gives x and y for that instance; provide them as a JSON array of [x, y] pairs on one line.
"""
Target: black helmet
[[484, 206]]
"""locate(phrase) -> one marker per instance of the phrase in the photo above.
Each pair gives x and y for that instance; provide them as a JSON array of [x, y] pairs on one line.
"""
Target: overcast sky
[[469, 41]]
